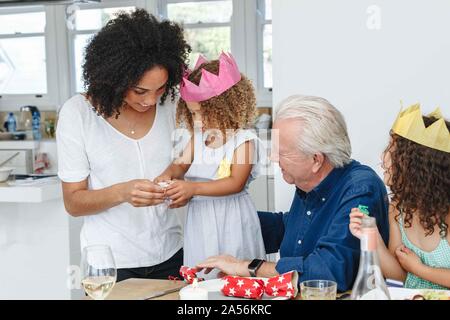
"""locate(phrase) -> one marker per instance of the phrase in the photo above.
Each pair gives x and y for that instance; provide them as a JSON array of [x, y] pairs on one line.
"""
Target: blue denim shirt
[[314, 236]]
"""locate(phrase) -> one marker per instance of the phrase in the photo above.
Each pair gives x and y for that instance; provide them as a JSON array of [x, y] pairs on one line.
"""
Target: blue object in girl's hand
[[364, 209]]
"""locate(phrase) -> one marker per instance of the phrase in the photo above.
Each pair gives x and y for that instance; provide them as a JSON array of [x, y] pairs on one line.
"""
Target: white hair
[[323, 127]]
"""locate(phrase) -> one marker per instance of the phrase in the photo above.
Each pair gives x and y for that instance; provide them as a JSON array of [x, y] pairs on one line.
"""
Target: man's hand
[[228, 265]]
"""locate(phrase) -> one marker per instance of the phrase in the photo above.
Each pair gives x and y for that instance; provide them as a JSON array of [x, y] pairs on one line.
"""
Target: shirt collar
[[324, 188]]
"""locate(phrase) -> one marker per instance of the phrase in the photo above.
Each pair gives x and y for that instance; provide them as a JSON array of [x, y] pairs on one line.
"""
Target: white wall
[[325, 48]]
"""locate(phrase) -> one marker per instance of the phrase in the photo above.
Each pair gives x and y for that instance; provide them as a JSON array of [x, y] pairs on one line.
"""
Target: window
[[37, 49], [207, 25], [23, 67], [243, 28], [88, 20]]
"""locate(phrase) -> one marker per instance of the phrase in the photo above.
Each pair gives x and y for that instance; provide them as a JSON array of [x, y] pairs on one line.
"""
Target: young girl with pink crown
[[222, 156]]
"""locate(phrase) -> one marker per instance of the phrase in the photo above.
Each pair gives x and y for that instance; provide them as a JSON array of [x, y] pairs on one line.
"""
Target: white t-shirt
[[89, 147]]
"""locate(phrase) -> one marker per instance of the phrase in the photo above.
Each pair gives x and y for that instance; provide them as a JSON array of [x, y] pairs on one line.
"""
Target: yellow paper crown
[[409, 124]]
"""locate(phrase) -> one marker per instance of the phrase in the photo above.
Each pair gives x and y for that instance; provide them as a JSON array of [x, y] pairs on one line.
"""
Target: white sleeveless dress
[[227, 224]]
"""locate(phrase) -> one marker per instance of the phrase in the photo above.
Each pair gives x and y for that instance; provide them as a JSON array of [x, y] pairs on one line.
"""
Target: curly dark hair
[[420, 182], [123, 50], [233, 109]]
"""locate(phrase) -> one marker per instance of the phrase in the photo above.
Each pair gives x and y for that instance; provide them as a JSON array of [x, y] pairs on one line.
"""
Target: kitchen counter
[[39, 242], [41, 192], [19, 144]]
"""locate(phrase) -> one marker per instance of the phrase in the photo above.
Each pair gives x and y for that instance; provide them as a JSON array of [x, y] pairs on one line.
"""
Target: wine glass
[[99, 271]]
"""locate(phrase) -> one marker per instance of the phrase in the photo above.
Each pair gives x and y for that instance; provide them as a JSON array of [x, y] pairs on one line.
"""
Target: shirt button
[[299, 241], [323, 199], [308, 213]]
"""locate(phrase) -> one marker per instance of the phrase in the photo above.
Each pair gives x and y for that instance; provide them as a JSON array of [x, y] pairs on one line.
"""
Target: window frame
[[163, 14], [261, 23], [246, 45], [47, 101]]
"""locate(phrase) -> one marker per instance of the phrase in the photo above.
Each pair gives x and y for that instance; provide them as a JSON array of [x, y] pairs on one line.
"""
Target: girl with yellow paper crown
[[417, 170], [217, 106]]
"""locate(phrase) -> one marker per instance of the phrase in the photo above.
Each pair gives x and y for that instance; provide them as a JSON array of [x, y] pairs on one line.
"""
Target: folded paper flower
[[284, 285], [189, 274]]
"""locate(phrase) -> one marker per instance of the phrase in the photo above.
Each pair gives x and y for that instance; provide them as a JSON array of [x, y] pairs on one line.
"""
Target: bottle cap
[[364, 209]]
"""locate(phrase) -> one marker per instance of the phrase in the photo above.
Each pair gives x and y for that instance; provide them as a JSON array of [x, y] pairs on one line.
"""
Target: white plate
[[214, 287], [404, 293]]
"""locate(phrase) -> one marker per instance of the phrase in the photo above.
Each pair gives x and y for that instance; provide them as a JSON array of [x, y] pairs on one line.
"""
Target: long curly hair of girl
[[419, 179]]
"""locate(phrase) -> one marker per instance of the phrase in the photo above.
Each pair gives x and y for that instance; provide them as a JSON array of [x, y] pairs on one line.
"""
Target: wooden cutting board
[[135, 289]]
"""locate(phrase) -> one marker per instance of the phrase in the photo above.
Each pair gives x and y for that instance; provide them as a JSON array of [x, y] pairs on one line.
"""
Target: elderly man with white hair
[[313, 152]]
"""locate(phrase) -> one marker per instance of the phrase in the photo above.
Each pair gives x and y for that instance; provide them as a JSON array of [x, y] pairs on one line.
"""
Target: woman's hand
[[141, 193], [409, 261], [180, 192], [355, 222]]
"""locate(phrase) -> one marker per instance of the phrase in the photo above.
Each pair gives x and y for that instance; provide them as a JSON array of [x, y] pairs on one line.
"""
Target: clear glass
[[94, 19], [201, 12], [370, 283], [24, 121], [318, 290], [23, 65], [210, 42], [20, 23], [99, 272], [267, 55]]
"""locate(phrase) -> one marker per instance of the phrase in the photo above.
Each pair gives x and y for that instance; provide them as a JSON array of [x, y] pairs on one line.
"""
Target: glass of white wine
[[99, 271]]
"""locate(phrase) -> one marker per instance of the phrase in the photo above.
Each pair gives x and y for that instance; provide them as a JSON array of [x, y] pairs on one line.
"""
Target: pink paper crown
[[211, 85]]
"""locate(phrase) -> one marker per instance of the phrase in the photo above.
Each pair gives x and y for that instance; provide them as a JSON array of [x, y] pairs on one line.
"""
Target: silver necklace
[[130, 127], [132, 131]]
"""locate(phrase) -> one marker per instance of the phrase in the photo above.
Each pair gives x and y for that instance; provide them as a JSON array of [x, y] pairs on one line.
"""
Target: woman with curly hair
[[217, 106], [114, 139], [418, 175]]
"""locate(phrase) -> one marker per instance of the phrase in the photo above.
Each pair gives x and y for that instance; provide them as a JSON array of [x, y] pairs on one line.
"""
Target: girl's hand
[[355, 222], [408, 259], [180, 192], [178, 204], [141, 193]]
